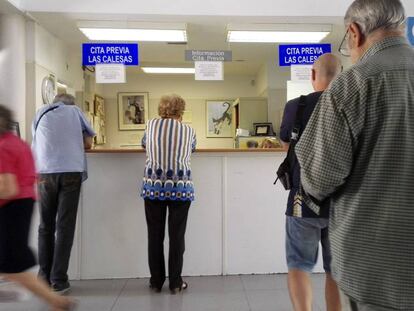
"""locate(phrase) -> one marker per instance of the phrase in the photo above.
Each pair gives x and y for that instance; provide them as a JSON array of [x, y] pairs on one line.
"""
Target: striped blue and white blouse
[[169, 145]]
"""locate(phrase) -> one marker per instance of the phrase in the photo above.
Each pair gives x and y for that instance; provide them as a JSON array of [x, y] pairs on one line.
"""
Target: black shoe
[[155, 289], [176, 290], [61, 288]]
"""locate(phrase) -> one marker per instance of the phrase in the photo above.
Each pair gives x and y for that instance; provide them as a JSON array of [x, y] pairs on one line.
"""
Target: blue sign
[[110, 53], [410, 30], [301, 54]]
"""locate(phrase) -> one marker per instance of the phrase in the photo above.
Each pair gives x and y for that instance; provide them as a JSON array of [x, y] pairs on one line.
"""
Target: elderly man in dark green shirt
[[358, 152]]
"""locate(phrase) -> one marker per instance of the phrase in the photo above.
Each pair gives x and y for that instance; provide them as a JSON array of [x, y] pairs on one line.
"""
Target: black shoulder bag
[[285, 171]]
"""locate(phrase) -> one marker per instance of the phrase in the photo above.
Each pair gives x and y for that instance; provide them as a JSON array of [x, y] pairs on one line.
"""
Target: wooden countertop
[[126, 150]]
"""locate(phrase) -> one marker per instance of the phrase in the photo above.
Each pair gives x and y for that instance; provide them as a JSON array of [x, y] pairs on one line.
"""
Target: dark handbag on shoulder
[[285, 171]]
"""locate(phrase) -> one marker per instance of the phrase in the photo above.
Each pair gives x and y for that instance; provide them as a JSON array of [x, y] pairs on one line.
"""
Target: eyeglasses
[[343, 48]]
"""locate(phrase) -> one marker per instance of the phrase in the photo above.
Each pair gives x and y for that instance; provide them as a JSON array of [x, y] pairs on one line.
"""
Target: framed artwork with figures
[[99, 120], [219, 114], [99, 106], [132, 111]]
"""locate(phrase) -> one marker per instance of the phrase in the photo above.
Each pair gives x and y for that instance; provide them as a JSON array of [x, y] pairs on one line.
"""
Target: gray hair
[[67, 99], [371, 15], [6, 119]]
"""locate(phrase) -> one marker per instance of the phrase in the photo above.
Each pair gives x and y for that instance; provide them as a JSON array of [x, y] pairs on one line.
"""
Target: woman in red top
[[17, 197]]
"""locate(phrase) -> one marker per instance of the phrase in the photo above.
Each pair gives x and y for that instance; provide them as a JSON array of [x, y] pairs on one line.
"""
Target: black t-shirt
[[295, 205]]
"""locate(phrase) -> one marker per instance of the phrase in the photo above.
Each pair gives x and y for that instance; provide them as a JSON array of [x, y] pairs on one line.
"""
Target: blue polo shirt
[[58, 139]]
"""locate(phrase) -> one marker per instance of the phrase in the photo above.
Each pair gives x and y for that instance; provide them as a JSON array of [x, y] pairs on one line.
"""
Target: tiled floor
[[212, 293]]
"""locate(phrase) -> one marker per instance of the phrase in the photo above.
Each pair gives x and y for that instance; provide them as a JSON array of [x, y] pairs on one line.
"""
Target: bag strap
[[297, 126], [42, 115], [296, 131]]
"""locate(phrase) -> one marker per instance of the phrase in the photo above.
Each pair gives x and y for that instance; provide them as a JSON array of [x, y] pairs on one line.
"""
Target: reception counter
[[235, 225], [222, 150]]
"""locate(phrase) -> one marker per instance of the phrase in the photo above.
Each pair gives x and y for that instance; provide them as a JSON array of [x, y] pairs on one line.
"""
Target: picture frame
[[132, 110], [99, 128], [99, 119], [219, 118], [99, 106], [263, 129]]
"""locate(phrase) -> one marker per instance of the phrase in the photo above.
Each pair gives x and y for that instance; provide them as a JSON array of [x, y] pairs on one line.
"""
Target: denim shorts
[[302, 243]]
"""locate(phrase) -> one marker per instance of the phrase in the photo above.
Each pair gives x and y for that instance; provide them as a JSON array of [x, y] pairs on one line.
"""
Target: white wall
[[53, 54], [268, 85], [262, 81], [277, 102], [12, 66], [47, 55], [194, 92]]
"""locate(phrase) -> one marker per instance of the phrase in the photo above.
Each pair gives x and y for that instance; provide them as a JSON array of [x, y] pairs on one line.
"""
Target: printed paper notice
[[301, 72], [208, 71], [110, 73]]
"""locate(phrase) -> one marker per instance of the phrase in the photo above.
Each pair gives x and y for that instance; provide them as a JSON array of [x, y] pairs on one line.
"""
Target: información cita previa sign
[[410, 30], [301, 54], [110, 53]]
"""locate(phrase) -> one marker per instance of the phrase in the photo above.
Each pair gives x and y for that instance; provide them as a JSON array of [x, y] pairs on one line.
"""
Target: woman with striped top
[[167, 184]]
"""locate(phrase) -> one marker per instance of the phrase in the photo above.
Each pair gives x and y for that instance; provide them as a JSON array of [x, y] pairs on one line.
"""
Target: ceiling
[[203, 33]]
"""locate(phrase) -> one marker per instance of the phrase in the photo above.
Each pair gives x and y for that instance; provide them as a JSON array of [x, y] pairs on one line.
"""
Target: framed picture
[[219, 118], [99, 120], [263, 129], [132, 111], [99, 128], [99, 106]]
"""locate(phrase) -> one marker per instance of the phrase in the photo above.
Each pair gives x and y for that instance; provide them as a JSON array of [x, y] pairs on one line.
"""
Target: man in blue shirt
[[61, 134], [304, 228]]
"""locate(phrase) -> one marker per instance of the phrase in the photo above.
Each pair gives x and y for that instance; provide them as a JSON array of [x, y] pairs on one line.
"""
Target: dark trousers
[[155, 212], [59, 199], [15, 253]]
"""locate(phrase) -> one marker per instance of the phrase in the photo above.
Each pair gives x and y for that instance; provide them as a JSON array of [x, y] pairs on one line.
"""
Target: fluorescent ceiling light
[[168, 70], [278, 33], [276, 36], [134, 34]]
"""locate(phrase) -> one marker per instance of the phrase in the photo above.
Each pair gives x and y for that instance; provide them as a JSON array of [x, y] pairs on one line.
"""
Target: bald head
[[324, 70]]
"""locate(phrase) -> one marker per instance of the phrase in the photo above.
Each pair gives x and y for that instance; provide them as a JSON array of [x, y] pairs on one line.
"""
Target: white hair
[[67, 99], [371, 15]]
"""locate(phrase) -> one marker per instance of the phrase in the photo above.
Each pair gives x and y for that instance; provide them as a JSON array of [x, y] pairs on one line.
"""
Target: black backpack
[[285, 171]]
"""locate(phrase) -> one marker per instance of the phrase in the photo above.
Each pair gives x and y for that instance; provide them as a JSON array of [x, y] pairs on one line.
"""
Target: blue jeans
[[302, 243]]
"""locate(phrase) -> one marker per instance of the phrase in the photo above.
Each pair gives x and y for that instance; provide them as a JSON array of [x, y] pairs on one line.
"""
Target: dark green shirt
[[358, 149]]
